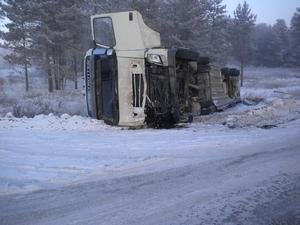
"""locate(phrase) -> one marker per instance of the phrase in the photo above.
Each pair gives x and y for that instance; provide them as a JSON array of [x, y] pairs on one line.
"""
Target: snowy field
[[240, 166], [13, 97]]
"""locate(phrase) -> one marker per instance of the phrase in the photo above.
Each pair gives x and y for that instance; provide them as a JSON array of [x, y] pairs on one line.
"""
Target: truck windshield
[[104, 32]]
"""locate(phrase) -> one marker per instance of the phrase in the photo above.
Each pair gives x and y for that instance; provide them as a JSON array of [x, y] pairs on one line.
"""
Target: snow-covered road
[[201, 174]]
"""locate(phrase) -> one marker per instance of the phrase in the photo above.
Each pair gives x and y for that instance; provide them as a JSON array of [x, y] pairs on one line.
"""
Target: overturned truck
[[130, 80]]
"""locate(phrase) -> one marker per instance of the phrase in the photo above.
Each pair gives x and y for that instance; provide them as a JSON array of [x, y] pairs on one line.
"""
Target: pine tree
[[243, 24], [185, 24], [58, 39], [218, 36], [281, 33], [18, 37], [264, 46], [44, 41], [107, 6], [295, 37], [72, 20], [2, 14], [201, 25], [151, 11]]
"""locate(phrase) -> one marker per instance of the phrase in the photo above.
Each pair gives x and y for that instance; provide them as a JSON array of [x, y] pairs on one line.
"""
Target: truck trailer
[[132, 81]]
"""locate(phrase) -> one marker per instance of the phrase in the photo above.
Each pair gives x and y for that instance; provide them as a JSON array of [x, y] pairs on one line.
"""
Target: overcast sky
[[267, 11]]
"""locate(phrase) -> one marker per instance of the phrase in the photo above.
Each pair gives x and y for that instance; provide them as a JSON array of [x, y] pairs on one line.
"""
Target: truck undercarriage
[[183, 90]]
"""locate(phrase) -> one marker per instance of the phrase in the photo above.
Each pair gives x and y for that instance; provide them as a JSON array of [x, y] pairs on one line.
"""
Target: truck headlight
[[109, 52], [156, 59]]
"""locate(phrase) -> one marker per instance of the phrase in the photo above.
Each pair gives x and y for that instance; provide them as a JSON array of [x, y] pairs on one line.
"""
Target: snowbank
[[52, 122], [268, 113]]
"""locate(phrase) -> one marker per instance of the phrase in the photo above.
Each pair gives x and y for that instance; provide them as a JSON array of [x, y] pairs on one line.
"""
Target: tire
[[234, 72], [225, 71], [203, 68], [187, 54], [190, 118], [203, 60]]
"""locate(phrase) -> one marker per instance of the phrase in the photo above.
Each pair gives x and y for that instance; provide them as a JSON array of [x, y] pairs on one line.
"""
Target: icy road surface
[[74, 170]]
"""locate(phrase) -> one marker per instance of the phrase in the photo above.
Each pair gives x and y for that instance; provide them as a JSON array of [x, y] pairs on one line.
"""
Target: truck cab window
[[104, 32]]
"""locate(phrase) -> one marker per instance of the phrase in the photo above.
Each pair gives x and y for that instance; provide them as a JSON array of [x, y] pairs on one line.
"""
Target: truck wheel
[[225, 71], [234, 72], [203, 60], [203, 68], [190, 118]]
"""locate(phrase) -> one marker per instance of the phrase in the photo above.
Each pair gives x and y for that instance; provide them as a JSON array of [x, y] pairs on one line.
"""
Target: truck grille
[[137, 90], [88, 73]]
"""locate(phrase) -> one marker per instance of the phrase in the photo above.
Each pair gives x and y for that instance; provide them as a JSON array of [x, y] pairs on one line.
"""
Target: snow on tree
[[181, 21], [295, 37], [151, 11], [58, 38], [218, 35], [264, 46], [18, 37], [243, 24], [197, 24], [281, 32]]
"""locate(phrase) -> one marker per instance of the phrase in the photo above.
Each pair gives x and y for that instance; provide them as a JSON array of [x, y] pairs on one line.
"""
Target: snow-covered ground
[[201, 174], [239, 166], [37, 100], [45, 151]]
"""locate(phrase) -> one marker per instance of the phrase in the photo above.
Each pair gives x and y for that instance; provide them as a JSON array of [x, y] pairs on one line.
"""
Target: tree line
[[55, 34]]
